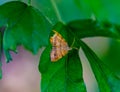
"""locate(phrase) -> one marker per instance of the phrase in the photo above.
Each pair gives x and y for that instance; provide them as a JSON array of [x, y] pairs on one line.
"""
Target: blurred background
[[22, 75]]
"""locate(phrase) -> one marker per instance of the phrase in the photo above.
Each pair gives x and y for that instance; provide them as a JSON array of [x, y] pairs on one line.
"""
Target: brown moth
[[59, 47]]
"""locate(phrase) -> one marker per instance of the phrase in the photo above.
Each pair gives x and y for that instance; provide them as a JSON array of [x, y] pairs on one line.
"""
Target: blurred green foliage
[[103, 10], [81, 18], [112, 56]]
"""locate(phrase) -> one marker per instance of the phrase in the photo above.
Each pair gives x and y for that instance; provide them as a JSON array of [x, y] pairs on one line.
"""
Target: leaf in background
[[107, 81], [65, 75], [57, 10], [113, 60], [69, 14], [104, 10], [25, 26], [90, 28], [1, 43], [84, 7], [48, 8], [1, 49]]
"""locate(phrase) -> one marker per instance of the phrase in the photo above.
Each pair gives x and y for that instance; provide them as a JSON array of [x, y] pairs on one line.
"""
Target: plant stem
[[56, 10]]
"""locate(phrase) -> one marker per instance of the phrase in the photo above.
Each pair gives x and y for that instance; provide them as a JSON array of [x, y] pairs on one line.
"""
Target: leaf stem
[[56, 10], [73, 42]]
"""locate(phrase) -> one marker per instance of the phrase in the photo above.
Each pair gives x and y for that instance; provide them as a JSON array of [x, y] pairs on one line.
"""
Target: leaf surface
[[91, 28], [103, 10], [1, 40], [25, 26], [107, 81], [65, 75]]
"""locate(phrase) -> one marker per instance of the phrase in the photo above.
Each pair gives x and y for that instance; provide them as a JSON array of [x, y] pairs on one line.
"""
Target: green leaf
[[56, 10], [25, 26], [1, 43], [112, 60], [74, 73], [65, 75], [67, 15], [84, 7], [91, 28], [102, 9], [107, 81], [49, 9]]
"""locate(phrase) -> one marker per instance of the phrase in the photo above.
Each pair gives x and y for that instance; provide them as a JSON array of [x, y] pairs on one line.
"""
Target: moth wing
[[59, 47], [64, 47], [56, 40], [55, 54]]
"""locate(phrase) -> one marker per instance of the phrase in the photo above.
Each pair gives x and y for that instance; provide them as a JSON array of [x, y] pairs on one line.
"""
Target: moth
[[59, 47]]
